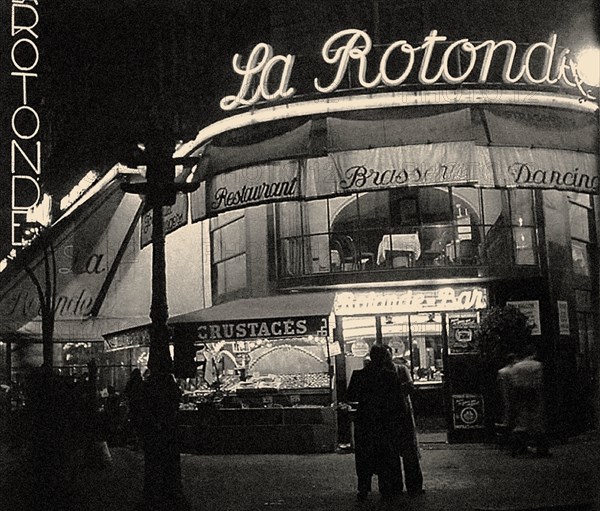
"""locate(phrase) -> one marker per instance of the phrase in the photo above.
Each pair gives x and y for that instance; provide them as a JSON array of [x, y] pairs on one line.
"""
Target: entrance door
[[416, 340]]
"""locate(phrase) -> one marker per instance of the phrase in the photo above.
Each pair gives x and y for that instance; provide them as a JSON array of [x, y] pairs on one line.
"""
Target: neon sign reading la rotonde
[[263, 68]]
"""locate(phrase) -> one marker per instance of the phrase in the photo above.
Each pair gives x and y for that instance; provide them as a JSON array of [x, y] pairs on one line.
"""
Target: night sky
[[104, 64]]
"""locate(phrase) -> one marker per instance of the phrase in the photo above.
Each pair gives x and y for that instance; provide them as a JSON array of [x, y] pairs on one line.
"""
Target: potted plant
[[504, 330]]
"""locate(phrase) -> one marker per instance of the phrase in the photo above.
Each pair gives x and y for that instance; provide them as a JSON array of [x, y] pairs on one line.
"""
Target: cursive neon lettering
[[260, 65], [355, 45]]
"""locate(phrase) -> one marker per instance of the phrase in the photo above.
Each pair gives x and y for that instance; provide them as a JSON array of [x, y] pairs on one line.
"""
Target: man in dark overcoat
[[381, 412]]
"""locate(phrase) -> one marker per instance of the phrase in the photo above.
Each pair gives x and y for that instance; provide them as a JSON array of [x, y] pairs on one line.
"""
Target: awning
[[267, 317], [488, 146], [86, 249]]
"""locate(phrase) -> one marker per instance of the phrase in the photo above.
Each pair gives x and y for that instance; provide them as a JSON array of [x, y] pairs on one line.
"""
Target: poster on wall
[[563, 318], [461, 336], [467, 411], [531, 309], [175, 216]]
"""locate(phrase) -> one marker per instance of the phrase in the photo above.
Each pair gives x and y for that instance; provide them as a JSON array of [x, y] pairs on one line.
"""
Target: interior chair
[[344, 244], [336, 254], [467, 252], [400, 258]]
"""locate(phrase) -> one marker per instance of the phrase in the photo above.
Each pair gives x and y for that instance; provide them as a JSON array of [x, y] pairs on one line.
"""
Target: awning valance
[[348, 134], [266, 317]]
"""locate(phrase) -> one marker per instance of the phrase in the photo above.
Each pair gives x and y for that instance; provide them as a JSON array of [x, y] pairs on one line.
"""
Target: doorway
[[419, 341]]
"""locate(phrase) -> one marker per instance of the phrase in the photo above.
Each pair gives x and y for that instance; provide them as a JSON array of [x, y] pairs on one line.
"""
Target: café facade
[[393, 196], [397, 195]]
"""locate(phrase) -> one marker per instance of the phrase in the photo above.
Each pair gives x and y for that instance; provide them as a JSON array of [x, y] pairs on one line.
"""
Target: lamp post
[[162, 467]]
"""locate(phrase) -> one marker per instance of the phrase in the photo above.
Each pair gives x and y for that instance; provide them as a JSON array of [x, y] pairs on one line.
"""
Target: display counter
[[274, 429]]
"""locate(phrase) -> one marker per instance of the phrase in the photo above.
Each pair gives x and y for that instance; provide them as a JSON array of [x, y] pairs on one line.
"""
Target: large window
[[415, 341], [406, 228], [228, 235]]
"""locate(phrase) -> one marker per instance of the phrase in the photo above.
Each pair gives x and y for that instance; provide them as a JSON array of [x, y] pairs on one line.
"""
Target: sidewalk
[[476, 477]]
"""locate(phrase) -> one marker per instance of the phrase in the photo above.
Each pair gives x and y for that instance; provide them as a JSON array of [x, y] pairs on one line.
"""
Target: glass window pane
[[525, 245], [579, 220], [234, 238], [315, 217], [581, 261], [289, 219], [235, 273], [220, 271], [404, 210], [394, 331], [434, 205], [290, 257], [227, 217], [493, 211], [580, 198], [426, 348], [521, 205], [374, 210], [343, 212], [318, 255], [359, 335], [467, 200]]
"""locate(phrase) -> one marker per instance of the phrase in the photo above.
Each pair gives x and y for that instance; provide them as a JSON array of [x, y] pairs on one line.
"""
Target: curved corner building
[[393, 193]]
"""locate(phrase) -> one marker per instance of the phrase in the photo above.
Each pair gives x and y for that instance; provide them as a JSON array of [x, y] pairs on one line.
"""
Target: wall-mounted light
[[588, 66]]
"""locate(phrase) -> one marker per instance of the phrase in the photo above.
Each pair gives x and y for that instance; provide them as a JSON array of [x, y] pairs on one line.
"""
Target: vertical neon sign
[[25, 146]]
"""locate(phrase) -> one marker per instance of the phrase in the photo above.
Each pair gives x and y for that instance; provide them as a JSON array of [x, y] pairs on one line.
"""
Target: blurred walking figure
[[526, 411], [381, 412], [502, 398]]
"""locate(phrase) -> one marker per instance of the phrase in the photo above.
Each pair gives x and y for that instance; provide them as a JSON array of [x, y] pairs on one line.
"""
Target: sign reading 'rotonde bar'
[[267, 77], [427, 300]]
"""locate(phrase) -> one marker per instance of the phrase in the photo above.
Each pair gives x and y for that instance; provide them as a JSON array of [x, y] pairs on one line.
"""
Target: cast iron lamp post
[[162, 468]]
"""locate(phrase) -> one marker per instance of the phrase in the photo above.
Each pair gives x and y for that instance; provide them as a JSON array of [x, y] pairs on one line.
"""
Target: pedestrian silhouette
[[408, 444], [526, 412], [381, 415]]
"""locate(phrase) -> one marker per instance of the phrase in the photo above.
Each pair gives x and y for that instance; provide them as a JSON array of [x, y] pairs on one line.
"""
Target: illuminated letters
[[260, 64], [356, 45], [25, 154]]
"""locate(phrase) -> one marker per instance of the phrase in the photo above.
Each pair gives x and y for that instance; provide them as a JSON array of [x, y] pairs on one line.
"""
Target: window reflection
[[228, 235], [580, 215]]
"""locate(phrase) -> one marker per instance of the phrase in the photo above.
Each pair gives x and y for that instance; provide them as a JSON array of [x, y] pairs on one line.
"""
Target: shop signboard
[[267, 77], [391, 167], [563, 318], [128, 339], [175, 216], [335, 349], [263, 328], [461, 338], [269, 182], [467, 411], [456, 298], [525, 167], [531, 309]]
